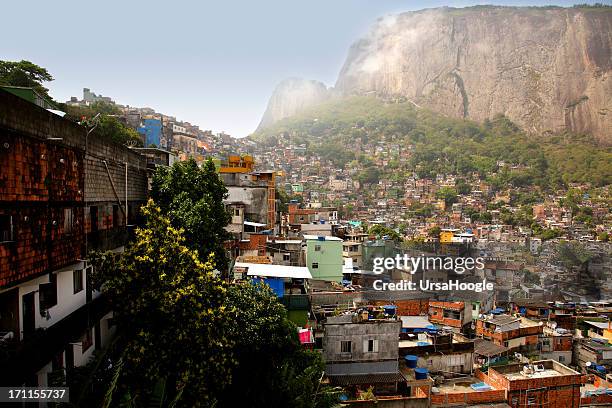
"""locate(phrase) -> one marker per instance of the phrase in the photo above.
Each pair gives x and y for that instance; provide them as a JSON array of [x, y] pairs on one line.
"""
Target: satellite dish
[[588, 364], [553, 325], [540, 323]]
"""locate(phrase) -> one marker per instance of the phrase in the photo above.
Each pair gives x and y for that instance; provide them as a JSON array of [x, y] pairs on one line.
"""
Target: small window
[[6, 228], [47, 296], [236, 212], [370, 346], [317, 248], [531, 400], [315, 265], [561, 359], [86, 340], [286, 257], [77, 280], [68, 220], [346, 346]]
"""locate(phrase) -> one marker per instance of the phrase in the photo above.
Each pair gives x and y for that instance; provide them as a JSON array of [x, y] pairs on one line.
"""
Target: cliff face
[[546, 69], [292, 96]]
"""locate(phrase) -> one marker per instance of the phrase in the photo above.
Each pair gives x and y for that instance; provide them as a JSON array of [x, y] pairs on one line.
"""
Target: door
[[29, 317], [93, 213]]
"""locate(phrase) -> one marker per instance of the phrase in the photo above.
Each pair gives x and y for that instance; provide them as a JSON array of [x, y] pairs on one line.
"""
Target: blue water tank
[[423, 343], [420, 373], [411, 361], [390, 309]]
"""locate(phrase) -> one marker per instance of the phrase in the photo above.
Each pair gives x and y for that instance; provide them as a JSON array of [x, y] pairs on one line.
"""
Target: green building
[[324, 257], [29, 94]]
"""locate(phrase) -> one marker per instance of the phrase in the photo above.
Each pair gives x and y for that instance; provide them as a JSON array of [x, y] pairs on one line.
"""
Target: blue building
[[151, 129]]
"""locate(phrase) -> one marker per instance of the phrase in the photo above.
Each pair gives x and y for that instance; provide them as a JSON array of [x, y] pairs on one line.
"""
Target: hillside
[[548, 69], [344, 130]]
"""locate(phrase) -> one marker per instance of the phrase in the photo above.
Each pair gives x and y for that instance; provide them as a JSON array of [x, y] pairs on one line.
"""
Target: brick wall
[[44, 182], [408, 307]]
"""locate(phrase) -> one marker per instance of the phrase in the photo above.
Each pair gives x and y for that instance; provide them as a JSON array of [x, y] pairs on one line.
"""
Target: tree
[[111, 129], [434, 232], [171, 316], [192, 197], [381, 231], [274, 369], [448, 194], [25, 73]]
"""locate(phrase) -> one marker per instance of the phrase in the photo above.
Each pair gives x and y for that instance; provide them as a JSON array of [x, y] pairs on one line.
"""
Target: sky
[[211, 63]]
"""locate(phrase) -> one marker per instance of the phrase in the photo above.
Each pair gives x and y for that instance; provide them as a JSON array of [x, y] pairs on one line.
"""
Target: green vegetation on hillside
[[497, 150]]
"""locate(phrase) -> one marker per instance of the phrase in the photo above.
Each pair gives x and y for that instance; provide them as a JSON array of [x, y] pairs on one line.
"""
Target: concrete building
[[353, 345], [323, 256], [439, 351], [60, 197]]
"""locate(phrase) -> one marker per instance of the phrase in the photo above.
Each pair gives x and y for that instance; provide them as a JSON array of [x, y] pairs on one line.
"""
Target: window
[[86, 340], [317, 248], [115, 216], [286, 257], [315, 265], [6, 228], [370, 346], [236, 212], [345, 346], [77, 280], [452, 314], [531, 400], [47, 296], [68, 220], [474, 306], [561, 359]]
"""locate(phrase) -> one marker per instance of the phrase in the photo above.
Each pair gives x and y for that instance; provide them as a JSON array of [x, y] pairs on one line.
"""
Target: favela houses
[[317, 204]]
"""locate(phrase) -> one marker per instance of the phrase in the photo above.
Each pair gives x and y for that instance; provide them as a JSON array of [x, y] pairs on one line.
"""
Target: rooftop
[[275, 271], [538, 369], [321, 238]]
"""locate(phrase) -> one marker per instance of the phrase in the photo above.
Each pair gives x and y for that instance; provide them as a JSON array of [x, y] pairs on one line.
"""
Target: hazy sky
[[212, 63]]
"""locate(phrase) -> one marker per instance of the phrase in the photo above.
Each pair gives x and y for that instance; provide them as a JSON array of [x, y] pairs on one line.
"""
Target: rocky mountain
[[547, 69], [292, 96]]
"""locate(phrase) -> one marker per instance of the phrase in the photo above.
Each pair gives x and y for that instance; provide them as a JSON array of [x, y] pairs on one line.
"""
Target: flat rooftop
[[539, 374], [541, 369], [459, 386]]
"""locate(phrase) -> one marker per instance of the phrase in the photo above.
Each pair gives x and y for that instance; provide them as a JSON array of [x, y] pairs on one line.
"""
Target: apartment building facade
[[62, 194]]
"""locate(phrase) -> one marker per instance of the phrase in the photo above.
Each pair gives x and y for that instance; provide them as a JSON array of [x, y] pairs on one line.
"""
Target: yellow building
[[446, 235]]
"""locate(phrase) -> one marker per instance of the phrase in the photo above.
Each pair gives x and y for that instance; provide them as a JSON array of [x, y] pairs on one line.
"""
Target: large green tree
[[273, 368], [192, 197], [25, 73], [171, 314]]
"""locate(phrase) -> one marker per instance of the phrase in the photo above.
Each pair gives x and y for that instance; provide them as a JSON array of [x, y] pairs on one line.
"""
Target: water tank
[[423, 343], [420, 373], [390, 309], [411, 361]]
